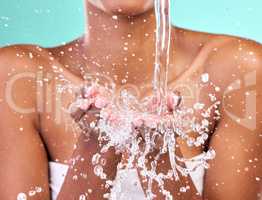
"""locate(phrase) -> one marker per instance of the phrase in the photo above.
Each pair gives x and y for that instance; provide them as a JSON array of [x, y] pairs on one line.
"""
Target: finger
[[153, 104], [78, 109], [89, 101], [89, 91]]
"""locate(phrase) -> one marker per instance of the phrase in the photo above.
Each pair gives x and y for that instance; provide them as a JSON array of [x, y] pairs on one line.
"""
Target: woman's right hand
[[91, 171]]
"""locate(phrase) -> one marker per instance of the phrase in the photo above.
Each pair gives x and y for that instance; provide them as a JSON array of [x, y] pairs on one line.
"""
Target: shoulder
[[20, 65], [27, 59], [234, 58], [235, 64], [234, 54], [22, 51], [19, 62], [23, 56], [221, 53]]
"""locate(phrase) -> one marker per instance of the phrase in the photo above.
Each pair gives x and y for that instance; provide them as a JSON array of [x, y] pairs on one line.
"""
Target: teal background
[[52, 22]]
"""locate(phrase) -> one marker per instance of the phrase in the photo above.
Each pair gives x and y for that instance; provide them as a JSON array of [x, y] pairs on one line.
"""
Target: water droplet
[[82, 197], [115, 17], [106, 195], [92, 125], [96, 158], [38, 189], [21, 196], [199, 106], [183, 189], [98, 170], [205, 77], [32, 193], [31, 55], [217, 89], [123, 81]]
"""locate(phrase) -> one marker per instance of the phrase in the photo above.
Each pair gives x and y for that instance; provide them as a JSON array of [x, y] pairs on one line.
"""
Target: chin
[[126, 7]]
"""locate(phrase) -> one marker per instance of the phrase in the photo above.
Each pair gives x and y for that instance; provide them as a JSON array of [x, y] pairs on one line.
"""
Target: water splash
[[128, 129], [134, 129]]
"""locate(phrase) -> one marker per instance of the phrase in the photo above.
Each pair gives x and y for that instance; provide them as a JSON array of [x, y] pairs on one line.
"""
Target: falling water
[[163, 39]]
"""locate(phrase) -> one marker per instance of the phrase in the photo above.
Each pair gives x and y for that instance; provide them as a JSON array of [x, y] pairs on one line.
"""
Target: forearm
[[81, 179], [175, 188]]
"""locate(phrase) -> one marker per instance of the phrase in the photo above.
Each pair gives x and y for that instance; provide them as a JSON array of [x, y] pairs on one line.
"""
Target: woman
[[36, 133]]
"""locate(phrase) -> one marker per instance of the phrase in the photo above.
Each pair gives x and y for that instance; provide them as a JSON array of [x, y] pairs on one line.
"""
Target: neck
[[120, 47], [103, 28], [119, 44]]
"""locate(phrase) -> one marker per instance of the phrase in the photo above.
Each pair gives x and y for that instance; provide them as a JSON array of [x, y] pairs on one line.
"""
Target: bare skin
[[30, 140]]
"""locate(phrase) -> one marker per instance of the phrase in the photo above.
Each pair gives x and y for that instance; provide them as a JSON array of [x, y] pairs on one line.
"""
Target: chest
[[60, 133]]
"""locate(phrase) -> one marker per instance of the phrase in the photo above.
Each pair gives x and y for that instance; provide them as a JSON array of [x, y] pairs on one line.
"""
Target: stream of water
[[163, 39]]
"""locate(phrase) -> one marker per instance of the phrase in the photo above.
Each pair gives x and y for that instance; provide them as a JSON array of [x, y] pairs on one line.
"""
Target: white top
[[57, 174], [128, 188]]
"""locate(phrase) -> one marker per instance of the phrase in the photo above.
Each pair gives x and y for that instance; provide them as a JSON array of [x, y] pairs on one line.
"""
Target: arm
[[163, 166], [81, 179], [24, 166], [236, 171]]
